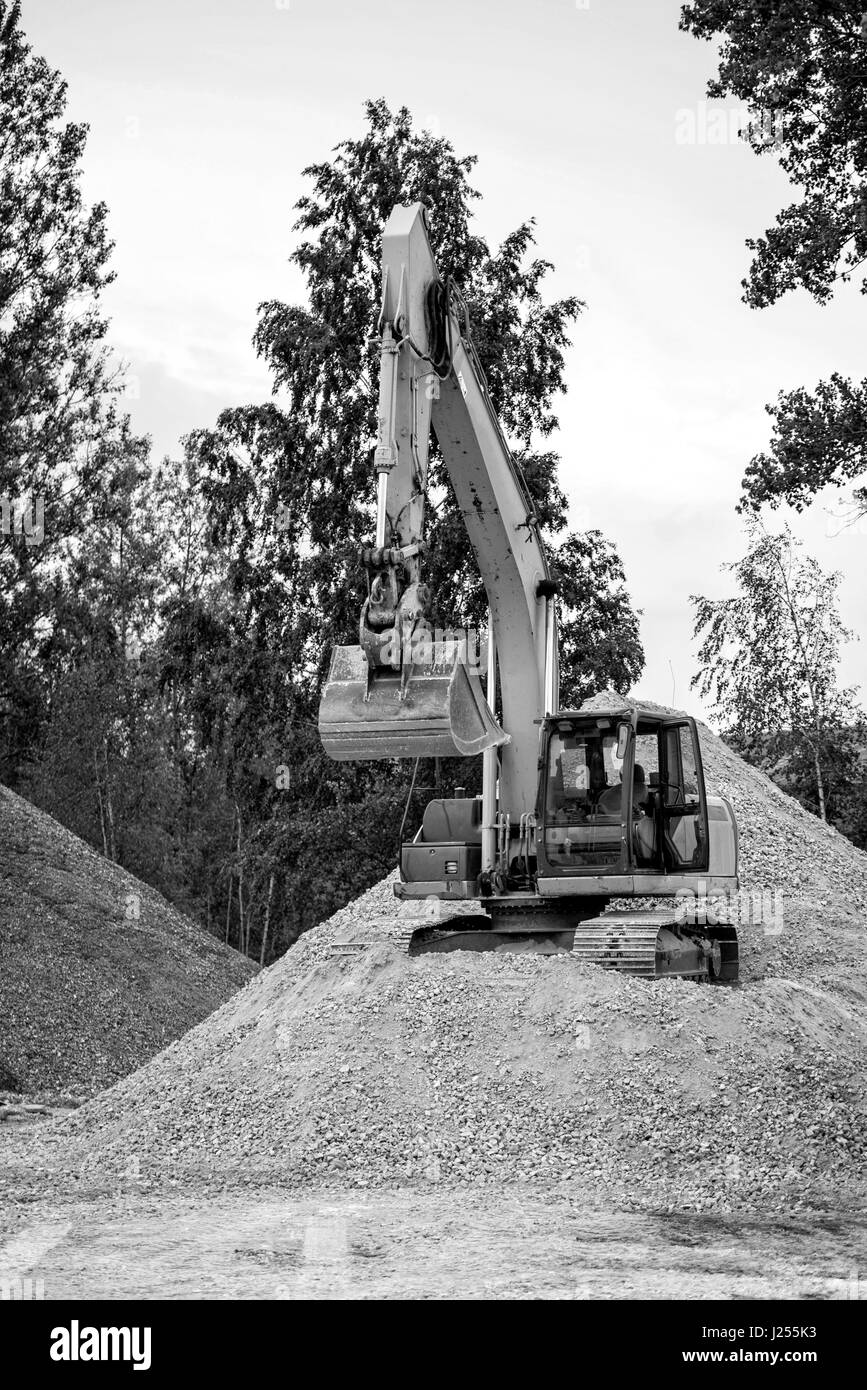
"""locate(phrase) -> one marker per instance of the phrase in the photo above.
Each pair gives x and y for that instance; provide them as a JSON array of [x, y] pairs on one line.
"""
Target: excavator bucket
[[443, 712]]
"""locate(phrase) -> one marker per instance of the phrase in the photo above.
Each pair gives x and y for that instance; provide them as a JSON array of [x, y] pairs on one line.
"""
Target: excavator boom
[[407, 690]]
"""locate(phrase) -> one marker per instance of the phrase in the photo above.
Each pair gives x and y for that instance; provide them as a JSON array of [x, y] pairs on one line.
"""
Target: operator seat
[[610, 801]]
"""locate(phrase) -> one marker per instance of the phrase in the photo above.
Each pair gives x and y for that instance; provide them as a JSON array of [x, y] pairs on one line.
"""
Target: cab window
[[584, 798]]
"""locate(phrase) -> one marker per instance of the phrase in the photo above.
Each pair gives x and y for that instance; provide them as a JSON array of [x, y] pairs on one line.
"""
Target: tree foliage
[[789, 761], [819, 439], [769, 655], [56, 415], [600, 645], [800, 66], [290, 482], [803, 63]]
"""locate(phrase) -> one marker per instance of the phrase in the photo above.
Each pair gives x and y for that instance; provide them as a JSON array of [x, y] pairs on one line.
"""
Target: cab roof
[[622, 711]]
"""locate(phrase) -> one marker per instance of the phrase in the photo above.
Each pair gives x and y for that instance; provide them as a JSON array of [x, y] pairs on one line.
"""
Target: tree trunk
[[242, 943], [811, 688], [229, 878], [100, 802], [267, 920], [242, 924], [820, 786], [108, 805]]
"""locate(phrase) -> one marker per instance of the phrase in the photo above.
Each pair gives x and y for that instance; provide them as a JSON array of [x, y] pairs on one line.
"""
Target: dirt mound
[[349, 1063], [97, 971]]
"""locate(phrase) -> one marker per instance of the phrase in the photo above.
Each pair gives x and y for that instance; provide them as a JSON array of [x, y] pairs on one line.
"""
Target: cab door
[[683, 808]]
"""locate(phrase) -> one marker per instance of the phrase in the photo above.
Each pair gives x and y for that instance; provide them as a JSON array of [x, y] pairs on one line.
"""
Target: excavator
[[594, 833]]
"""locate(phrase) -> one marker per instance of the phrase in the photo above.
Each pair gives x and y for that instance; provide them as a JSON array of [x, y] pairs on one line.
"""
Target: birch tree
[[769, 655]]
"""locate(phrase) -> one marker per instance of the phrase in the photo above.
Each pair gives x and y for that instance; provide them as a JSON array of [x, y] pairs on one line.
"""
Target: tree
[[308, 463], [769, 655], [789, 762], [291, 490], [291, 487], [801, 68], [600, 647], [819, 439], [102, 763], [55, 382]]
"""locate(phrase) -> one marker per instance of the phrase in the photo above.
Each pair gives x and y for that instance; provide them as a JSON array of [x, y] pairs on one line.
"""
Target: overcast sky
[[589, 116]]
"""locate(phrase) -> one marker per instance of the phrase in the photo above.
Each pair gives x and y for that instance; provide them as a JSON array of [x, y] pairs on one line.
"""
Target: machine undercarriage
[[652, 943]]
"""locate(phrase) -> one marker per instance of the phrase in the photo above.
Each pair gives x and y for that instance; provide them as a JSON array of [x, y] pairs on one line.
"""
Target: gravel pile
[[97, 971], [348, 1063]]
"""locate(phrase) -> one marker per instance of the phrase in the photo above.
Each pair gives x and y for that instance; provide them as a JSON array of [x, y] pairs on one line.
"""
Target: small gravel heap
[[97, 971], [348, 1063]]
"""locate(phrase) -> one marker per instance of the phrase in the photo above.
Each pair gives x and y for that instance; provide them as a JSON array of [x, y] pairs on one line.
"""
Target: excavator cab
[[623, 795]]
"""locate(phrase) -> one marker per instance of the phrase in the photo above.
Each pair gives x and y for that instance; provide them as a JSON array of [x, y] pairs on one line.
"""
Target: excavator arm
[[407, 690]]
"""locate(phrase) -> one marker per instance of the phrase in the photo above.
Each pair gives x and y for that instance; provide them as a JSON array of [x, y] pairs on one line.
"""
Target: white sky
[[204, 112]]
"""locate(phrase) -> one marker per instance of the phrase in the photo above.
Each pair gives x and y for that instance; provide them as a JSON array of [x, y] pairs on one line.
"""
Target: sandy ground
[[420, 1245], [417, 1242], [359, 1123]]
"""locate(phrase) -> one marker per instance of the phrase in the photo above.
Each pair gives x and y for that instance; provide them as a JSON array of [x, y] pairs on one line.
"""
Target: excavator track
[[657, 945], [621, 942], [648, 944], [729, 957]]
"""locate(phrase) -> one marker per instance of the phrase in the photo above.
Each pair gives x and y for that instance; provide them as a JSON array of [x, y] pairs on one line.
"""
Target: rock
[[375, 1069]]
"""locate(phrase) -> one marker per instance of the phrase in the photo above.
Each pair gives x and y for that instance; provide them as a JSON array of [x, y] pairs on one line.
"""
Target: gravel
[[349, 1064], [97, 971]]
